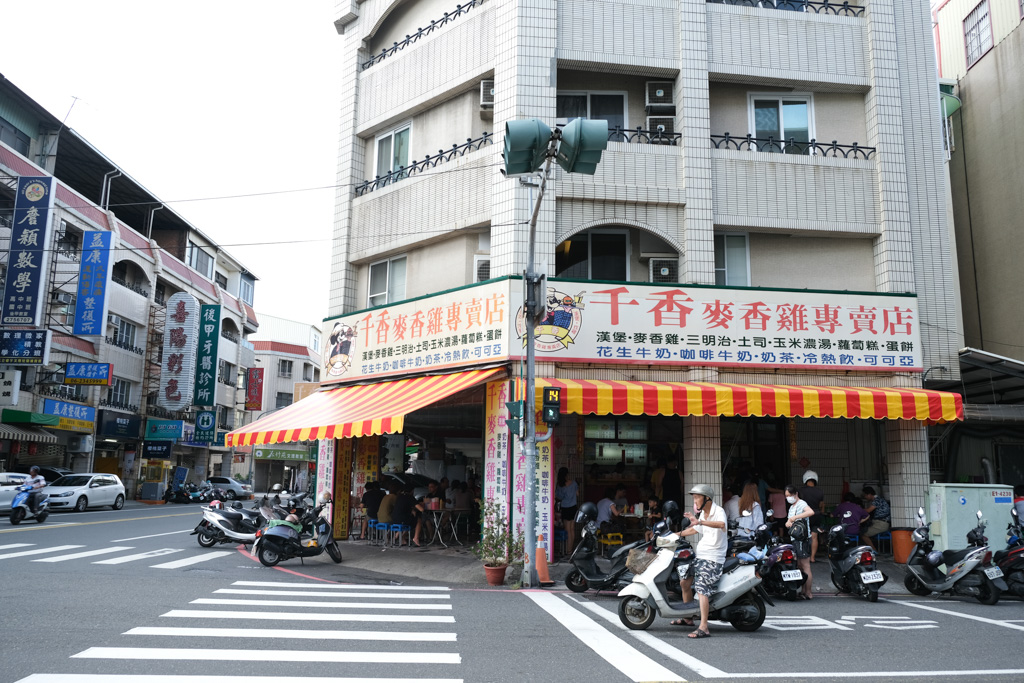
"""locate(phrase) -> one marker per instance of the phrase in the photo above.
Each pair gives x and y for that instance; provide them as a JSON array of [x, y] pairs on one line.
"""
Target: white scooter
[[738, 598], [20, 510]]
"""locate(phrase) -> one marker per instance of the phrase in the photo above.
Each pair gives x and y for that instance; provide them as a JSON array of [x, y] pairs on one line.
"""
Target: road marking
[[797, 675], [16, 545], [140, 556], [37, 527], [892, 623], [652, 641], [40, 551], [313, 603], [87, 553], [340, 586], [984, 620], [196, 559], [261, 655], [803, 622], [631, 662], [298, 634], [138, 538], [306, 616], [328, 594], [178, 678]]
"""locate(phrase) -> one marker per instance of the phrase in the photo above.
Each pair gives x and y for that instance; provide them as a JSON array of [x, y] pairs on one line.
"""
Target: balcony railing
[[430, 28], [65, 391], [69, 253], [228, 381], [124, 345], [792, 146], [844, 9], [107, 403], [127, 285], [154, 410], [442, 156], [230, 336], [647, 137]]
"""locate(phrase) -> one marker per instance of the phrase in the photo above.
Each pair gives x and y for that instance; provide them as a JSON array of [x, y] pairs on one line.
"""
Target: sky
[[204, 99]]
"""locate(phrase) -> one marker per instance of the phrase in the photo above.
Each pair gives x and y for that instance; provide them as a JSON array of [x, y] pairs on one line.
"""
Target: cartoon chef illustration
[[341, 345]]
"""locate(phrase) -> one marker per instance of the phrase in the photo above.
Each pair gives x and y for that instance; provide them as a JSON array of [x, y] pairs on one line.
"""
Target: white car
[[9, 483], [80, 491]]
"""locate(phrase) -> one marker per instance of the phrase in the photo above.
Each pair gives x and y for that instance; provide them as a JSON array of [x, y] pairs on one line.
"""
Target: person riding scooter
[[36, 481], [711, 550]]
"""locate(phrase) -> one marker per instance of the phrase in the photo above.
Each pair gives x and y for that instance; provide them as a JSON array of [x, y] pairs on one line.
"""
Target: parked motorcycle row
[[190, 493], [762, 567]]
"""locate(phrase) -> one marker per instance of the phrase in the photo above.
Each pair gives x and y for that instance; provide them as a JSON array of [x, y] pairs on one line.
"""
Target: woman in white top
[[799, 526], [748, 503]]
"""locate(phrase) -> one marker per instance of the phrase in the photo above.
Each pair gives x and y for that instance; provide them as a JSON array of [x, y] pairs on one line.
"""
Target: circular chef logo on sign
[[35, 191], [205, 421]]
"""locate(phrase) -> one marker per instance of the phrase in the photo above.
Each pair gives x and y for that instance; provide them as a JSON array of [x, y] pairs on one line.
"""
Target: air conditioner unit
[[487, 93], [80, 444], [114, 320], [660, 97], [665, 270], [661, 124], [63, 297], [483, 269]]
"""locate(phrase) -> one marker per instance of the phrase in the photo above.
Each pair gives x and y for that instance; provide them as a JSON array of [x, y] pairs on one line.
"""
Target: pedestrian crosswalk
[[102, 556], [410, 631]]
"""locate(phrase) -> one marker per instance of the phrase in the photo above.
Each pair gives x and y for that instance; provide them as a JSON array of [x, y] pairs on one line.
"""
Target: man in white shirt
[[36, 481], [711, 549]]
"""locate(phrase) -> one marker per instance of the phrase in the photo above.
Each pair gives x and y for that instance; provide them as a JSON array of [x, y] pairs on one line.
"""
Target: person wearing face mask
[[799, 527], [709, 520]]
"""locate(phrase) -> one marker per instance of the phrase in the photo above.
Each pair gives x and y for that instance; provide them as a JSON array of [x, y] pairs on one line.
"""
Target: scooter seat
[[730, 564], [951, 557], [230, 514], [1000, 554]]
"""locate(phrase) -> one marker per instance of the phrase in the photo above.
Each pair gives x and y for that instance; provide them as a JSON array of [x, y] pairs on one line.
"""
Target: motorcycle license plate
[[794, 575], [993, 572], [871, 577]]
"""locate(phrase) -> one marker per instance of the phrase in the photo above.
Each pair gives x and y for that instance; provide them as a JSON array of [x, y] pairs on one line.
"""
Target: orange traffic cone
[[542, 564]]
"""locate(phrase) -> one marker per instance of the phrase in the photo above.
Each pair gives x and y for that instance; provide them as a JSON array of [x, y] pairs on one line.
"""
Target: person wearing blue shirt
[[881, 515]]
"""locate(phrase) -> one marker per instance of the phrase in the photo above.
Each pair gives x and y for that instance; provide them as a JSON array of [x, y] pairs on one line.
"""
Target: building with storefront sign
[[756, 280], [115, 255]]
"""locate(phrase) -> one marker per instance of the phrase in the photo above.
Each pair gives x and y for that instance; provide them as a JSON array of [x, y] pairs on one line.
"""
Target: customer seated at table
[[449, 495], [463, 497], [432, 492], [407, 511], [387, 505], [371, 503], [621, 502], [653, 516], [607, 512], [442, 488]]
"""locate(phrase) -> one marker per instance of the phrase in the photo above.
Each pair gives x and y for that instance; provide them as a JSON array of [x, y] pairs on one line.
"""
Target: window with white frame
[[393, 149], [977, 33], [199, 260], [119, 393], [386, 282], [732, 260], [124, 335], [595, 255], [284, 368], [782, 118], [585, 104], [245, 289]]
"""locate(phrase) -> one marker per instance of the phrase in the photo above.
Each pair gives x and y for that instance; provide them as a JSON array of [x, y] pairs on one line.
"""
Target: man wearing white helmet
[[710, 522], [815, 499]]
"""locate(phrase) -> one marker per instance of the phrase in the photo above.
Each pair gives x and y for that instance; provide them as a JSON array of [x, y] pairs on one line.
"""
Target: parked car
[[235, 489], [50, 474], [9, 483], [398, 480], [80, 491]]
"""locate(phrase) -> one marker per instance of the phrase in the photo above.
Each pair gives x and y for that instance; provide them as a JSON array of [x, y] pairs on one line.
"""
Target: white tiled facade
[[878, 222]]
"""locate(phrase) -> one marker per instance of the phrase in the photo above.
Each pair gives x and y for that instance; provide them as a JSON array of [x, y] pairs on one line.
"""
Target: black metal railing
[[420, 33], [230, 336], [442, 156], [124, 345], [128, 285], [107, 403], [154, 410], [792, 146], [844, 9], [228, 381], [65, 391], [69, 253], [648, 137]]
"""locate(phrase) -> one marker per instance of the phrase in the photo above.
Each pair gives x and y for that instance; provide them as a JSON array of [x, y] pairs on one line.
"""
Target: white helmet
[[810, 474]]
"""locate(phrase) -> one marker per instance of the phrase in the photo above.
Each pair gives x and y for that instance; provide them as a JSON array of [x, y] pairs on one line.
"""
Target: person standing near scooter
[[711, 523], [799, 527]]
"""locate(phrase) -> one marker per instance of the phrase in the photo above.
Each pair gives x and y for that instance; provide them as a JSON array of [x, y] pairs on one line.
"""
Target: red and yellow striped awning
[[584, 397], [356, 410]]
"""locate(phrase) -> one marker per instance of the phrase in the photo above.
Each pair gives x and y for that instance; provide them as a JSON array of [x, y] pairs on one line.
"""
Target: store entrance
[[753, 446], [626, 451]]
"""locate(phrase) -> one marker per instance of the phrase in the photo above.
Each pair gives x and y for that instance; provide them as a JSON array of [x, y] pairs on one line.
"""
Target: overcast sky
[[198, 99]]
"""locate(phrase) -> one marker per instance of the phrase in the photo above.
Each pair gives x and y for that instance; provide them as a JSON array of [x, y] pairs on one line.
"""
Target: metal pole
[[529, 577]]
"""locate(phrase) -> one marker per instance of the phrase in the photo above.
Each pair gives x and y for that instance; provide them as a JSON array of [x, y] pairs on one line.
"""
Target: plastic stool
[[884, 536], [610, 540], [371, 530], [562, 537], [854, 537], [380, 533], [400, 529]]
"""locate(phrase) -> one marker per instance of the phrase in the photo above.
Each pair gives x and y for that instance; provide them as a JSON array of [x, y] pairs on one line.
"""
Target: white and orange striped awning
[[585, 397], [355, 410]]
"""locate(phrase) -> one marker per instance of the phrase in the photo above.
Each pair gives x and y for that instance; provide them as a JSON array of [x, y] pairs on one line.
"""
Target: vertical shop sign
[[324, 467], [545, 499], [26, 260], [367, 459], [343, 487], [93, 283], [206, 360], [496, 445], [206, 427], [254, 389], [179, 352]]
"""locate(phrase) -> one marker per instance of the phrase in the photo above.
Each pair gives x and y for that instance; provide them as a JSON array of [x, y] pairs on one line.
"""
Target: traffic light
[[514, 421], [552, 405], [526, 146], [583, 140]]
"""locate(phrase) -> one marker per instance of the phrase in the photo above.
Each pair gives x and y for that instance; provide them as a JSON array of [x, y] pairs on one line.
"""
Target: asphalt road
[[125, 596]]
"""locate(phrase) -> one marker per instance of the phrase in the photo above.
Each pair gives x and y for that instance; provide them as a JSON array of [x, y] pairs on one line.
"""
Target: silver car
[[80, 491], [9, 483]]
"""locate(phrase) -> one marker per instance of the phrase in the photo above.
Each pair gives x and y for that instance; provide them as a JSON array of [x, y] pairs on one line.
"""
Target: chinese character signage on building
[[24, 347], [93, 282], [73, 417], [265, 453], [26, 261], [325, 468], [496, 444], [89, 373], [465, 326], [206, 427], [10, 387], [157, 449], [177, 373], [164, 430], [206, 360], [254, 389], [116, 424]]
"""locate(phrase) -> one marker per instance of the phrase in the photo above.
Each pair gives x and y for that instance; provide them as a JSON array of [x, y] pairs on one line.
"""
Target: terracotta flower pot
[[495, 575]]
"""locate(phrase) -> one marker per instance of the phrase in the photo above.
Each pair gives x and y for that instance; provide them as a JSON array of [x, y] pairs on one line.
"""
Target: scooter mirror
[[770, 515], [920, 512], [979, 515], [1013, 513]]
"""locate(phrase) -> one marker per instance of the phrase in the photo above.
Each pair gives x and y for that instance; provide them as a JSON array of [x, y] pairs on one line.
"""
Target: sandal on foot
[[700, 634], [682, 622]]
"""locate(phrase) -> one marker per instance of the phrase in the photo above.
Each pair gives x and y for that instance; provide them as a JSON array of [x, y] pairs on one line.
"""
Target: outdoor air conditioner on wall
[[487, 93], [660, 97], [664, 270], [80, 444], [662, 124], [483, 269], [63, 297], [114, 320]]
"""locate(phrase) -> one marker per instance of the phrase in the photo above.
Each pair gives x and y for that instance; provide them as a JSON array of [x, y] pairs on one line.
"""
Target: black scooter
[[281, 542], [854, 567], [587, 573]]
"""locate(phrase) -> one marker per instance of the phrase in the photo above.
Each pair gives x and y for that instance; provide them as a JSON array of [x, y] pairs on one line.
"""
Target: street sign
[[206, 427]]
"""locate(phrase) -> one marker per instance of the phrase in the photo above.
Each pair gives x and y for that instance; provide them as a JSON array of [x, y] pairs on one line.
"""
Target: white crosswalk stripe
[[86, 553], [31, 550], [196, 559], [39, 551], [140, 556]]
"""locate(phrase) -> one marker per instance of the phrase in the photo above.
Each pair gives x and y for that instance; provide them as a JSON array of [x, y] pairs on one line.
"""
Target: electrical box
[[952, 509]]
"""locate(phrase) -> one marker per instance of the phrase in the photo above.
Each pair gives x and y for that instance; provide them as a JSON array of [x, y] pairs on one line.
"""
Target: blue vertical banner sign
[[206, 356], [93, 282], [26, 262]]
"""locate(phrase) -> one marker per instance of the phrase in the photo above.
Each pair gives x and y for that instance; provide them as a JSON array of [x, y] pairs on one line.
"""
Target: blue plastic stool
[[380, 533], [400, 529], [884, 536], [371, 530], [562, 536]]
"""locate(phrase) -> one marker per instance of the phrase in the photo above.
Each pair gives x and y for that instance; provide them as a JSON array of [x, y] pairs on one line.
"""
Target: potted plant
[[499, 545]]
